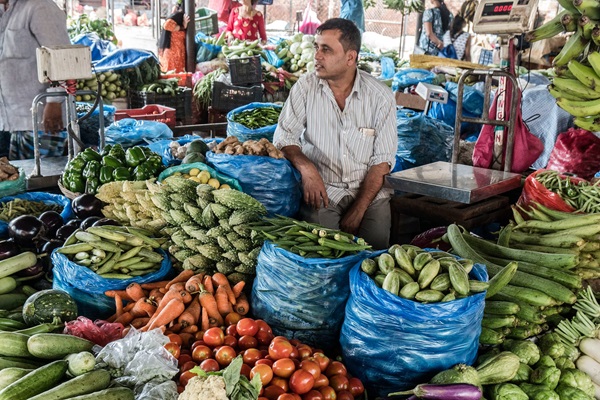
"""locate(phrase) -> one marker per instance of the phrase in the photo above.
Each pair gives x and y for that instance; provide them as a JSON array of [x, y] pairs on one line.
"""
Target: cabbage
[[308, 38], [295, 48], [307, 45]]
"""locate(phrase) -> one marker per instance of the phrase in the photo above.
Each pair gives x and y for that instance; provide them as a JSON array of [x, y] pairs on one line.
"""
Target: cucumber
[[80, 363], [7, 284], [499, 307], [429, 296], [14, 344], [53, 346], [17, 263], [35, 382], [18, 362], [107, 394], [10, 301], [13, 374], [89, 382]]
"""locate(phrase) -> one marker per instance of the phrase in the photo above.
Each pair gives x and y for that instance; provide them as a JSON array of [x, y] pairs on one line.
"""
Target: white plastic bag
[[310, 22]]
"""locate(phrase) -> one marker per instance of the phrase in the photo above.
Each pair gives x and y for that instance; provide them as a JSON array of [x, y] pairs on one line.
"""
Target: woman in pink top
[[246, 23]]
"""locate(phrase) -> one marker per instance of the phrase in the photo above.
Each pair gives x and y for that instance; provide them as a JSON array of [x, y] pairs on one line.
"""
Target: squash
[[49, 306]]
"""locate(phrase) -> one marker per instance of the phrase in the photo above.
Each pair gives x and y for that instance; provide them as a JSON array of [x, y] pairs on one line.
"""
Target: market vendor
[[25, 26], [338, 128]]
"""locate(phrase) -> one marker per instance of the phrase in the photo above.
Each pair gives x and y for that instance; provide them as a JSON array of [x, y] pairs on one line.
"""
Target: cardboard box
[[412, 101]]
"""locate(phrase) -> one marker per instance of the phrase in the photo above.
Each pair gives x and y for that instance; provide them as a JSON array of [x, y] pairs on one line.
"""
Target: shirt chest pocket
[[360, 144], [19, 43]]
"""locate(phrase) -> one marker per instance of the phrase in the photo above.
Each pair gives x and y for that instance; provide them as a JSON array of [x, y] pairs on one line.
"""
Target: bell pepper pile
[[90, 169]]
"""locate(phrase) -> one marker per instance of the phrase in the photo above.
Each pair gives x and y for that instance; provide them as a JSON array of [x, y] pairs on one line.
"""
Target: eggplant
[[89, 221], [106, 221], [26, 229], [65, 231], [87, 205], [8, 248], [52, 220], [75, 222], [47, 249], [34, 271], [455, 391], [432, 238]]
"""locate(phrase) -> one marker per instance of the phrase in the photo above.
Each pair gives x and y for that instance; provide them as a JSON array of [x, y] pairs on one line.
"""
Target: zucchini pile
[[162, 86], [427, 277]]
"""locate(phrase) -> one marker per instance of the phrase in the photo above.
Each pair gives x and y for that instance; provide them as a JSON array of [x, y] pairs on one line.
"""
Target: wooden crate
[[433, 212]]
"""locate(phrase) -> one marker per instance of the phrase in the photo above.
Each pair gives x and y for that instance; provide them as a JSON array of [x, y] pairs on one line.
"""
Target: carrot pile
[[187, 304]]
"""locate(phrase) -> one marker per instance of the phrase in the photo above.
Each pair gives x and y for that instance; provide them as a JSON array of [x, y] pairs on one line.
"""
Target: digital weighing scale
[[463, 183]]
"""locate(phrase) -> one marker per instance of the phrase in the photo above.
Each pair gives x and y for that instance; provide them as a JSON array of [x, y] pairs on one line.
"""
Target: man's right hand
[[314, 189]]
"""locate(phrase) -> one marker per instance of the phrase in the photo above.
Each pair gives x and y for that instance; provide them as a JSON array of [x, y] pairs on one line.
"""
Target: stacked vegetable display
[[208, 227], [110, 86], [577, 67], [261, 147], [90, 169]]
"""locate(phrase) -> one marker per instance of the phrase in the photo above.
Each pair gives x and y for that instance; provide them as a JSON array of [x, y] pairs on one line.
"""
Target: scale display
[[505, 17]]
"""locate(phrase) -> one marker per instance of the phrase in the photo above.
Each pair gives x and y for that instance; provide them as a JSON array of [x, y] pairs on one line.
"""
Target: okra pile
[[115, 252], [309, 240], [427, 277], [581, 195]]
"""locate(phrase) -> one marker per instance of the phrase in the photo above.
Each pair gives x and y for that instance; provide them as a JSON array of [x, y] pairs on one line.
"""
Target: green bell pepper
[[77, 165], [92, 169], [106, 149], [121, 174], [106, 174], [117, 152], [111, 161], [74, 181], [142, 172], [91, 185], [146, 150], [134, 156], [90, 155]]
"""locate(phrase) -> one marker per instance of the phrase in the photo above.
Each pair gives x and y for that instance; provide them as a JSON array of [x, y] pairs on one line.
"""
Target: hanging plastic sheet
[[123, 59]]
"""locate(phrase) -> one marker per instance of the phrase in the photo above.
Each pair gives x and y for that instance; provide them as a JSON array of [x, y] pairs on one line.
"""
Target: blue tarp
[[123, 59]]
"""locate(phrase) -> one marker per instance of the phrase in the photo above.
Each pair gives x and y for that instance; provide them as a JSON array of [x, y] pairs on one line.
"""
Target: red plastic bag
[[310, 22], [526, 149], [100, 332], [576, 151], [534, 191]]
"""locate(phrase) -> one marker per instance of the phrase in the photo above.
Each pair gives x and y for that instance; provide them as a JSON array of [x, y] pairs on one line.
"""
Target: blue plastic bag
[[123, 59], [87, 288], [302, 298], [48, 198], [271, 57], [205, 51], [422, 139], [411, 76], [11, 188], [89, 128], [273, 182], [99, 47], [393, 344], [130, 132], [243, 133], [388, 68], [472, 98]]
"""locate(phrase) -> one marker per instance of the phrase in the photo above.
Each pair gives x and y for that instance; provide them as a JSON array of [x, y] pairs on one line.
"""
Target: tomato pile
[[288, 369]]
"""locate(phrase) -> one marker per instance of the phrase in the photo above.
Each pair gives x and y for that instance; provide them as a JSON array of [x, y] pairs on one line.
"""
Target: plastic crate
[[206, 21], [151, 112], [245, 70], [226, 98], [181, 102]]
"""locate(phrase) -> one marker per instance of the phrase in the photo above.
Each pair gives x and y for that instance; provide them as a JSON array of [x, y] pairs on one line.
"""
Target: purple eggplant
[[26, 230], [65, 231], [87, 205], [8, 248], [89, 221], [52, 221], [432, 238], [457, 391]]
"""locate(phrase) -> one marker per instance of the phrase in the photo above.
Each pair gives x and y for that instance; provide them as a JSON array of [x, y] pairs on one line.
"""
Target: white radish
[[590, 366], [591, 347], [596, 391]]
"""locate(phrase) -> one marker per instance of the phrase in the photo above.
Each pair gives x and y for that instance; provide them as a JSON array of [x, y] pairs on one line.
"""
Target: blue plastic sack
[[123, 59], [89, 128], [99, 47], [273, 182], [48, 198], [472, 98], [130, 132], [241, 132], [87, 288], [447, 114], [302, 298], [271, 57], [422, 139], [411, 76], [205, 51], [388, 68], [393, 344]]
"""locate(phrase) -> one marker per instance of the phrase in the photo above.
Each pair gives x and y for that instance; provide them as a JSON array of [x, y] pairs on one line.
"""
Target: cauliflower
[[203, 388]]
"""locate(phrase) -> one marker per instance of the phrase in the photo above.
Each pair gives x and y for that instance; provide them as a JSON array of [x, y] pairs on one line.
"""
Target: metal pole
[[190, 43]]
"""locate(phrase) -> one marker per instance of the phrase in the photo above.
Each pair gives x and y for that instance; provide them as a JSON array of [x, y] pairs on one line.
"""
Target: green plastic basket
[[206, 21]]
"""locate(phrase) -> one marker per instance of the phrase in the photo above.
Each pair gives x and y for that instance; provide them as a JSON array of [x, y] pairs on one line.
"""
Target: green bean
[[17, 207]]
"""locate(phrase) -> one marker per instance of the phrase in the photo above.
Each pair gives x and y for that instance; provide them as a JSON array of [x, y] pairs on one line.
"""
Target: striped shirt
[[343, 145]]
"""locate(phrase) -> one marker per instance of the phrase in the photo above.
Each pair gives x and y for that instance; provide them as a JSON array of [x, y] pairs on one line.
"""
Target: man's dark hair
[[350, 35]]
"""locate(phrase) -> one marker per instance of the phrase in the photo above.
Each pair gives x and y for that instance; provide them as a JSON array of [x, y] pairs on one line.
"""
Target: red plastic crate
[[151, 112]]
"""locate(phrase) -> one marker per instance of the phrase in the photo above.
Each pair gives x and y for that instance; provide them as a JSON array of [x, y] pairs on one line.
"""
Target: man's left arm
[[381, 163]]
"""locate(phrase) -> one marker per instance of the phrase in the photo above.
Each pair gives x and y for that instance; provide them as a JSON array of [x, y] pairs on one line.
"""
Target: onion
[[87, 205], [8, 248], [26, 230], [52, 220]]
